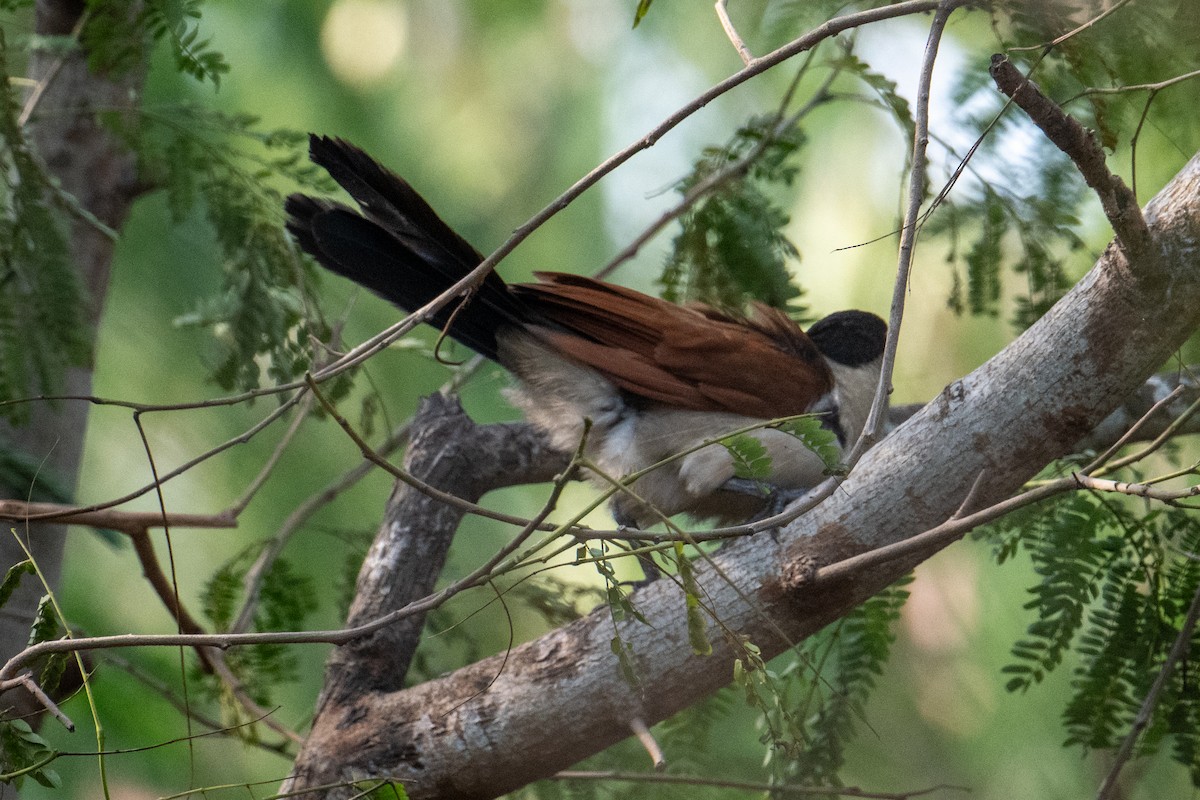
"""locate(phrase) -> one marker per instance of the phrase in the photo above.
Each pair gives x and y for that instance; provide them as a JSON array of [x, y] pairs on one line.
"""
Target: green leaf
[[23, 753], [642, 7], [731, 247], [45, 622], [624, 654], [697, 618], [12, 579], [817, 438], [750, 458]]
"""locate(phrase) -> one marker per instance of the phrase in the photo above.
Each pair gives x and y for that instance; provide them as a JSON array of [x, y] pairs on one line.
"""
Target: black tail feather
[[398, 247]]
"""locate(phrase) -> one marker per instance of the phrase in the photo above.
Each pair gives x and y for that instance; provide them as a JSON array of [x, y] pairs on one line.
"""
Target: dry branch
[[1118, 200]]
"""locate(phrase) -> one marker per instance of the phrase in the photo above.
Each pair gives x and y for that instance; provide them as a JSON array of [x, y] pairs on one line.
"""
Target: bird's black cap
[[852, 338]]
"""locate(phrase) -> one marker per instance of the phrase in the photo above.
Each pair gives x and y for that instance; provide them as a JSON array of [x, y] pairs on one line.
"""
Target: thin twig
[[1080, 29], [1108, 788], [874, 426], [167, 692], [731, 32], [408, 478], [1168, 496], [32, 687], [969, 501], [1136, 87], [170, 593], [252, 580], [152, 570], [648, 743], [1158, 442], [124, 521], [715, 180], [298, 417], [265, 716], [1103, 458], [241, 438], [940, 535]]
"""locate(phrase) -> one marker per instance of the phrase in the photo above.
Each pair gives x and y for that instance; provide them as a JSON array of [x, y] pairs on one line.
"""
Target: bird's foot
[[775, 498]]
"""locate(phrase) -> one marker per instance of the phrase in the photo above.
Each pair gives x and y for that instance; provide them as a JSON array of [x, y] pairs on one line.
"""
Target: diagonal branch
[[1118, 200], [873, 429], [1110, 788]]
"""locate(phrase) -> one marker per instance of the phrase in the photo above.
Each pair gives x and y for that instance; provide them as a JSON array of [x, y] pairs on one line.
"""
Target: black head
[[852, 338]]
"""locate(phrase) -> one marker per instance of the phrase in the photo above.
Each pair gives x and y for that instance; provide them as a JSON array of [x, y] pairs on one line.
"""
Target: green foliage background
[[491, 109]]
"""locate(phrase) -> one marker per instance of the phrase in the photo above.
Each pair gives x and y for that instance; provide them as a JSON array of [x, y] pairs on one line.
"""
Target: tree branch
[[562, 696], [874, 427], [451, 452], [124, 521], [1118, 201]]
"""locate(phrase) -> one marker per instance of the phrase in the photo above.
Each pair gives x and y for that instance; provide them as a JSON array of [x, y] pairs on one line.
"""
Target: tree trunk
[[94, 166]]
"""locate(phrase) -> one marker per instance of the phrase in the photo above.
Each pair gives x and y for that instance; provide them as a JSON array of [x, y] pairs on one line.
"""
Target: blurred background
[[491, 109]]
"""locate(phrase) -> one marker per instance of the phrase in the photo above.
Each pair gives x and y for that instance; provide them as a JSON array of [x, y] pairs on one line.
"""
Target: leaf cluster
[[1099, 56], [43, 628], [118, 36], [23, 753], [991, 230], [262, 319], [286, 597], [1115, 588], [823, 689], [1007, 213], [752, 461], [887, 96], [1018, 204], [731, 247]]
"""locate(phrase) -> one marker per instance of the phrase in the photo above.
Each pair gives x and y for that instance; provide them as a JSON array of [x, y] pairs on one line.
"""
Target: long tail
[[397, 247]]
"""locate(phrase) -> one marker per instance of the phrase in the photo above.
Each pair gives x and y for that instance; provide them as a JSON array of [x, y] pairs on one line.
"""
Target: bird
[[636, 378]]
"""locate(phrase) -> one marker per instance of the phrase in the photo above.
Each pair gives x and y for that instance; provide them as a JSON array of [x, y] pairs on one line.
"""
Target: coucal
[[654, 378]]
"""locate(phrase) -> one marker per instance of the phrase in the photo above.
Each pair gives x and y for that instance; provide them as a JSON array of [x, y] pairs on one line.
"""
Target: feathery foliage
[[1116, 584], [23, 754], [264, 314], [821, 691], [286, 597], [991, 228], [991, 225], [1100, 56], [118, 36], [731, 247]]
